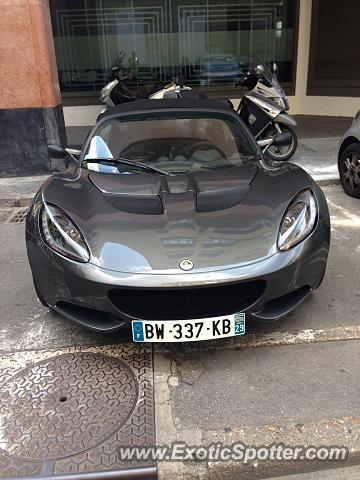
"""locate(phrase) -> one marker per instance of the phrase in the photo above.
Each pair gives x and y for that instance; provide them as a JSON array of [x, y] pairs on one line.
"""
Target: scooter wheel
[[282, 153]]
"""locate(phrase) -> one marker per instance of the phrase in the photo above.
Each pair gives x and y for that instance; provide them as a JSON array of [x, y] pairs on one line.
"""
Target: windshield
[[268, 75], [173, 144]]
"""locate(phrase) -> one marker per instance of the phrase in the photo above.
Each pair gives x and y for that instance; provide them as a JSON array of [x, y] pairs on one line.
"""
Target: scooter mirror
[[282, 139], [259, 69], [180, 81], [275, 67]]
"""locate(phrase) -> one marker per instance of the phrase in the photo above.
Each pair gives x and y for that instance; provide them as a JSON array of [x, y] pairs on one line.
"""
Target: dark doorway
[[334, 66]]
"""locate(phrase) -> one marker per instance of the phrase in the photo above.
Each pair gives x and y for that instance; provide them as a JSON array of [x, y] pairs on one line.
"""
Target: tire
[[349, 170], [281, 153]]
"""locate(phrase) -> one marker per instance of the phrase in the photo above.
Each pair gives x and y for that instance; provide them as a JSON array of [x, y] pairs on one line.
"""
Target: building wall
[[30, 101], [301, 103]]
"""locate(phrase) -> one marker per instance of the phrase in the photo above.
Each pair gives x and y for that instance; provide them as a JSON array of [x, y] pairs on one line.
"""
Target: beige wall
[[81, 116], [300, 103]]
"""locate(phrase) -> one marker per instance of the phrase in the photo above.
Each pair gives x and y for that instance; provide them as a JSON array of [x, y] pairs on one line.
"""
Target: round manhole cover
[[65, 405]]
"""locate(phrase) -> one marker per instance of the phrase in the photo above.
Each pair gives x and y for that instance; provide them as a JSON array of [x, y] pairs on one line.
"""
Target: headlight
[[280, 102], [62, 235], [298, 221]]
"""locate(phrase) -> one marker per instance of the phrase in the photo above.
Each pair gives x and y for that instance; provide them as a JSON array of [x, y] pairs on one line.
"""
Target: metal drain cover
[[65, 405], [70, 410], [18, 215]]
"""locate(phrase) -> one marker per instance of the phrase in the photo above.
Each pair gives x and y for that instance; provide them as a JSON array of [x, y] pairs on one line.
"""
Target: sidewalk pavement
[[18, 191], [318, 156]]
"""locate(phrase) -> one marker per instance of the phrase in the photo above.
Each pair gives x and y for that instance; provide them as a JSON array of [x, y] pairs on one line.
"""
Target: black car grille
[[186, 303]]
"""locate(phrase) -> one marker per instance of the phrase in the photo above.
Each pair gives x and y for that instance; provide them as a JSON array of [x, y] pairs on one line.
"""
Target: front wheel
[[349, 170], [281, 153]]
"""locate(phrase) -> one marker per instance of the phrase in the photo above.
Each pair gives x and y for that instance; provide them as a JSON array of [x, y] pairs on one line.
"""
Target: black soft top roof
[[171, 104]]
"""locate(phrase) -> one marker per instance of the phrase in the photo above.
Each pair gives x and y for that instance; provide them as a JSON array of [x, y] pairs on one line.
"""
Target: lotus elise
[[171, 222]]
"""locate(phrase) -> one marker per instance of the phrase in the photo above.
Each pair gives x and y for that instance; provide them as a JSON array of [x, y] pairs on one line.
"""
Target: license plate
[[188, 330]]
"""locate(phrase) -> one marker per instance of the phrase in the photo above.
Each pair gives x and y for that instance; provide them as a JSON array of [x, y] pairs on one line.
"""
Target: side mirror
[[180, 81], [282, 139], [259, 69], [73, 152], [55, 151]]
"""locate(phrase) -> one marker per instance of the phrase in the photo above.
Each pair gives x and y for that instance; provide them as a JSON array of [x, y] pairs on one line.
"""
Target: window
[[209, 42], [172, 143], [334, 66]]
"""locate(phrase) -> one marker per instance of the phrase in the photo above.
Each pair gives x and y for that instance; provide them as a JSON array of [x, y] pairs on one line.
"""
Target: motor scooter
[[117, 92], [263, 109]]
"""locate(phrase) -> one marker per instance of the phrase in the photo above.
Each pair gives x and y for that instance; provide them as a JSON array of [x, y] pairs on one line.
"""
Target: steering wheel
[[145, 156], [201, 145]]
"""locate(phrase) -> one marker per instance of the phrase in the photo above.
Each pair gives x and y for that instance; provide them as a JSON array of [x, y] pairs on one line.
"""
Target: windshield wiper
[[132, 163]]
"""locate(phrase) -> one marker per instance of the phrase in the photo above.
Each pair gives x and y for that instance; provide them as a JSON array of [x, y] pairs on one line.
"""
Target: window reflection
[[207, 41]]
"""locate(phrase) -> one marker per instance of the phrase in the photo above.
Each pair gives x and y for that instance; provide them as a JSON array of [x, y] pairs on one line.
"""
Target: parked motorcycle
[[263, 110], [117, 92]]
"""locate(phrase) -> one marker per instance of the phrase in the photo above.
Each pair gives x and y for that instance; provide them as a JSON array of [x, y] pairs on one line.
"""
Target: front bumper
[[84, 292]]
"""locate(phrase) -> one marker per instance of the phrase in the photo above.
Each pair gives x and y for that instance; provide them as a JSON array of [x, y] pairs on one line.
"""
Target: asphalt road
[[296, 381], [306, 390]]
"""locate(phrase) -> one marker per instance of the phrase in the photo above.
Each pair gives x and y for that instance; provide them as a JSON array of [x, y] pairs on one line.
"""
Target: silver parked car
[[349, 159]]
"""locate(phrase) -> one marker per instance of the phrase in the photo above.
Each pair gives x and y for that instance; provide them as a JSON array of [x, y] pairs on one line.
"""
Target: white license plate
[[188, 330]]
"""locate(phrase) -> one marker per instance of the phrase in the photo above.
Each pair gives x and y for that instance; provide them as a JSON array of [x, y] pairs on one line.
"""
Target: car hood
[[149, 223]]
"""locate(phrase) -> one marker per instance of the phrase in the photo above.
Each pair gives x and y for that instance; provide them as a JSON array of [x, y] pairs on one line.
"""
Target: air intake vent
[[186, 303]]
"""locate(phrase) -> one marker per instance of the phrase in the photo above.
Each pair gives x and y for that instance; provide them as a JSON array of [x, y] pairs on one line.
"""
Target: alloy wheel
[[351, 171]]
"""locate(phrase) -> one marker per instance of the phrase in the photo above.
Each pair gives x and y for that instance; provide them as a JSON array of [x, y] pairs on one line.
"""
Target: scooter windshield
[[267, 74]]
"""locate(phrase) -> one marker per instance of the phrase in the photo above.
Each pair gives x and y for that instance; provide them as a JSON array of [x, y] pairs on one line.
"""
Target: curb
[[327, 182], [269, 469], [18, 201]]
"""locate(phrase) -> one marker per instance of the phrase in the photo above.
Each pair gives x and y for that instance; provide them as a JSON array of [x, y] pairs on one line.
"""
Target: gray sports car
[[172, 221]]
